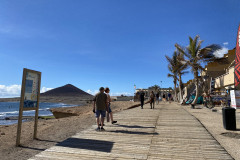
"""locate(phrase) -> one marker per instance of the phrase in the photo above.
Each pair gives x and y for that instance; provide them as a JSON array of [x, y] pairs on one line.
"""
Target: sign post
[[30, 93]]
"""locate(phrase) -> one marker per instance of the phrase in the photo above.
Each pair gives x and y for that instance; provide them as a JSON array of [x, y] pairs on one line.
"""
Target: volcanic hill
[[67, 90]]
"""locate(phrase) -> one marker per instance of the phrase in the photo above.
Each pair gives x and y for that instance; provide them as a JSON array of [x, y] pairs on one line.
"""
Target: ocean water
[[11, 109]]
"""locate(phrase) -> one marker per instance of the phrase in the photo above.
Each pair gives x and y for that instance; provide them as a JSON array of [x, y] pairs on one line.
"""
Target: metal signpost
[[31, 83]]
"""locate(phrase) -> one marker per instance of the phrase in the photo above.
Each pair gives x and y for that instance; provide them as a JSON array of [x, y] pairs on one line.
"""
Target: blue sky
[[115, 43]]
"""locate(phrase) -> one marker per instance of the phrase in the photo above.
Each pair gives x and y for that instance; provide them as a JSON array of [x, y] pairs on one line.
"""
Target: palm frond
[[195, 44], [207, 53], [168, 59], [182, 50], [198, 47], [170, 75]]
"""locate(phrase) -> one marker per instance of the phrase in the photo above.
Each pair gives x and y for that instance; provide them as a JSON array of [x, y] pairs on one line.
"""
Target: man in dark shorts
[[99, 107], [142, 99], [169, 96]]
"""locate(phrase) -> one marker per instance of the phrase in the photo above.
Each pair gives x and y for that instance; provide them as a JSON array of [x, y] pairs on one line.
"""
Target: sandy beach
[[50, 131]]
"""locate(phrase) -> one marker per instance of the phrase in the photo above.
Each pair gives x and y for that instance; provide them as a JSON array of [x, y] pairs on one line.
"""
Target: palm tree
[[181, 67], [173, 74], [172, 63], [195, 55], [155, 87], [177, 67]]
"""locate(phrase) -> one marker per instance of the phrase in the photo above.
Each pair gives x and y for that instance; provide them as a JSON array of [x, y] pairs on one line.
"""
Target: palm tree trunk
[[180, 87], [175, 90], [196, 84]]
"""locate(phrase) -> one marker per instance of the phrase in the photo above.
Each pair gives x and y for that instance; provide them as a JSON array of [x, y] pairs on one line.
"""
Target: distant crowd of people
[[101, 107], [154, 97]]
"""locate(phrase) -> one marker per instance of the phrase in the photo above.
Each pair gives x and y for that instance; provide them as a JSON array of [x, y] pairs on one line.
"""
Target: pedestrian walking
[[100, 107], [152, 99], [110, 114], [157, 98], [169, 97], [164, 97], [142, 97]]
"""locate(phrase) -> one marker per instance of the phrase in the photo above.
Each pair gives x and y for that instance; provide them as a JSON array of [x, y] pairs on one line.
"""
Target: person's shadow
[[134, 126]]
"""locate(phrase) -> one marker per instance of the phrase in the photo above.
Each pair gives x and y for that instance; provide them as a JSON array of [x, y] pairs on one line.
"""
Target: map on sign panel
[[31, 90]]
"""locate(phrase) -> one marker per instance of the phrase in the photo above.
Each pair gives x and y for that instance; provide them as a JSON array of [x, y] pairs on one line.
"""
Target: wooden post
[[36, 111], [21, 108]]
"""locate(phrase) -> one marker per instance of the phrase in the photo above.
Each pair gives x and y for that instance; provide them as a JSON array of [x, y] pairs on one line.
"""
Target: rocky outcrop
[[63, 112]]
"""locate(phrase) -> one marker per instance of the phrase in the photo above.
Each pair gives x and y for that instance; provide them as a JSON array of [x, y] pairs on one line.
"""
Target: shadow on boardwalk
[[89, 144], [133, 132], [135, 126]]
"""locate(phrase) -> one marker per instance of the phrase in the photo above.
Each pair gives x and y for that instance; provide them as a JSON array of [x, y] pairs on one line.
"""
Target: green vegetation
[[46, 117]]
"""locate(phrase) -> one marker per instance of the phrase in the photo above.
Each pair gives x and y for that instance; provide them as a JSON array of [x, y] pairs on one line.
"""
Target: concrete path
[[167, 132]]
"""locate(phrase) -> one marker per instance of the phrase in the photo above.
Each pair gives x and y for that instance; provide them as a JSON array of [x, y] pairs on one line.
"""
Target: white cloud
[[10, 91], [45, 89], [111, 94], [92, 92], [14, 90], [121, 93], [220, 53], [225, 43]]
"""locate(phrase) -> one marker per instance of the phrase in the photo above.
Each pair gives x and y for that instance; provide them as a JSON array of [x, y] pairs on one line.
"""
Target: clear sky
[[114, 43]]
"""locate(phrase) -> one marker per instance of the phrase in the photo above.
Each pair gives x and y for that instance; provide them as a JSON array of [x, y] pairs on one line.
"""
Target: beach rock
[[62, 114], [3, 133], [7, 118]]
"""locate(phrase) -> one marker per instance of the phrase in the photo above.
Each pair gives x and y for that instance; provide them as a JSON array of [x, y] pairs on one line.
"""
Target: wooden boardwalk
[[167, 132]]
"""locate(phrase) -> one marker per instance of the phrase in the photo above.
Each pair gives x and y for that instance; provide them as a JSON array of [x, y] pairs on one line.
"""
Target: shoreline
[[71, 100], [67, 100], [64, 103]]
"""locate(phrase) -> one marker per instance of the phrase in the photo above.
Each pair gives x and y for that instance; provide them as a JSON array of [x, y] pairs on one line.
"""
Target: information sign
[[235, 99], [30, 93]]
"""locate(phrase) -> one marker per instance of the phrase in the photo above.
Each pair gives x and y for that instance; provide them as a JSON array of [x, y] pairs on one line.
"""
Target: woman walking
[[107, 90], [152, 99], [164, 97], [142, 97]]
